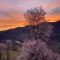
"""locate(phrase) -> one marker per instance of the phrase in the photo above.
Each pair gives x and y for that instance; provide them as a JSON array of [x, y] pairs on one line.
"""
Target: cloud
[[46, 1], [55, 10], [9, 1], [22, 5]]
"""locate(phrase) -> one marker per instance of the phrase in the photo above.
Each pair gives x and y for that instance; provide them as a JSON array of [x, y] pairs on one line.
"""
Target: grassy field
[[12, 55]]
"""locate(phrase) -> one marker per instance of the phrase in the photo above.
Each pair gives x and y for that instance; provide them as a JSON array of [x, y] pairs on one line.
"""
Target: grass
[[12, 54]]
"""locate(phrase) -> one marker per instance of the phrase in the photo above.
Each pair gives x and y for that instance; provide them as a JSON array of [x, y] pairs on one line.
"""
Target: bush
[[37, 50]]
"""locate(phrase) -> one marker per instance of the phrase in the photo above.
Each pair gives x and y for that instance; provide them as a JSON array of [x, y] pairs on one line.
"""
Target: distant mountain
[[23, 33], [20, 33], [56, 31]]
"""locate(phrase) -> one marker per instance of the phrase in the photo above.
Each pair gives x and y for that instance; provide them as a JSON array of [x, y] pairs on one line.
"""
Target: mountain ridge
[[22, 33]]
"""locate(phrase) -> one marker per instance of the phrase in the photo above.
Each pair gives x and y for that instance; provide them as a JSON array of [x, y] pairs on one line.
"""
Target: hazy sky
[[11, 11]]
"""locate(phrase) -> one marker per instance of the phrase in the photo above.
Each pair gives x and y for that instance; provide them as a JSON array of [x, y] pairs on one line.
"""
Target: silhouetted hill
[[23, 33], [20, 33], [56, 31]]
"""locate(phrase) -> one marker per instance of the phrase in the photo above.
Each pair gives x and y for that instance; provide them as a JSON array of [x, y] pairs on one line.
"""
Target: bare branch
[[35, 16]]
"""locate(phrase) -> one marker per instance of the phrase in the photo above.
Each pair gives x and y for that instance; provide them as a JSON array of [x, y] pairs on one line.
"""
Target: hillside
[[23, 33]]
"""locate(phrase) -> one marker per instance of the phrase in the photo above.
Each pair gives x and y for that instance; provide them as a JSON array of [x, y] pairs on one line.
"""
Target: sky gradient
[[11, 11]]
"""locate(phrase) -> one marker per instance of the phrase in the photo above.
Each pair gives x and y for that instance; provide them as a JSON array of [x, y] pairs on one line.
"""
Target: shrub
[[37, 50]]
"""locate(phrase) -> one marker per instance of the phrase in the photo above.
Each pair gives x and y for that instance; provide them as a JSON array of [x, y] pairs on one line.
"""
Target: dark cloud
[[8, 1], [55, 10], [47, 1]]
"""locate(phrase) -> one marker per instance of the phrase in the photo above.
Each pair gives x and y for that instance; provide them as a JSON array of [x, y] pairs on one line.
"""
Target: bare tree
[[34, 17]]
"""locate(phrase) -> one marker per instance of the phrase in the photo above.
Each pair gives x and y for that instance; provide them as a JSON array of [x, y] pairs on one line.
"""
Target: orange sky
[[11, 11], [18, 20], [53, 18], [13, 21]]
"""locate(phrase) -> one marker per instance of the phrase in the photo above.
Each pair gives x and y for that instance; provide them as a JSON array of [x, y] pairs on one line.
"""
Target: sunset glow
[[11, 12]]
